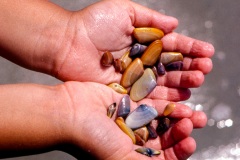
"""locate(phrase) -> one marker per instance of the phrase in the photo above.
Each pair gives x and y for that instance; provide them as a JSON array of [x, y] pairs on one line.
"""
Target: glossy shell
[[139, 140], [137, 49], [160, 69], [126, 60], [169, 109], [124, 107], [120, 122], [111, 110], [107, 59], [163, 125], [143, 86], [147, 34], [118, 88], [152, 132], [133, 72], [152, 53], [143, 133], [118, 65], [174, 66], [148, 151], [169, 57], [141, 116]]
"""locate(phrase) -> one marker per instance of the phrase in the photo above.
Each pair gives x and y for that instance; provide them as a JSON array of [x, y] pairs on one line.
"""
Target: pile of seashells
[[137, 124], [140, 67], [143, 63]]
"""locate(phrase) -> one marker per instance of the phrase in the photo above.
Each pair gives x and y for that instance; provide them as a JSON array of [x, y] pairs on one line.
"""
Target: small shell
[[169, 57], [126, 61], [141, 116], [118, 65], [174, 66], [143, 86], [154, 69], [152, 53], [124, 107], [139, 140], [147, 34], [120, 122], [107, 59], [163, 125], [111, 110], [160, 69], [132, 73], [169, 109], [118, 88], [152, 132], [148, 151], [137, 49], [143, 133]]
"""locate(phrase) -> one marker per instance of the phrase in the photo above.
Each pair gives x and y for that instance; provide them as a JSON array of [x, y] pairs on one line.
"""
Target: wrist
[[31, 121], [32, 33]]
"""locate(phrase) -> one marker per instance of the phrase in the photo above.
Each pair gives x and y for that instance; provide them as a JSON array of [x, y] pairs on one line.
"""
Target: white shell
[[141, 116]]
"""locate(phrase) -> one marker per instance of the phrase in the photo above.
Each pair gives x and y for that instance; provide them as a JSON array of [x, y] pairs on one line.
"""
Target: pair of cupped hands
[[75, 59]]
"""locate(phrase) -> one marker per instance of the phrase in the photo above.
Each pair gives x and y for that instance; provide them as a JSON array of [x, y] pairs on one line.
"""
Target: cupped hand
[[94, 133], [108, 26]]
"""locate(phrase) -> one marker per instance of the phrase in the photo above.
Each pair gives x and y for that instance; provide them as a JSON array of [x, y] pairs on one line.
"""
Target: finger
[[180, 110], [202, 64], [171, 94], [181, 79], [182, 150], [179, 131], [199, 119], [145, 17], [187, 46]]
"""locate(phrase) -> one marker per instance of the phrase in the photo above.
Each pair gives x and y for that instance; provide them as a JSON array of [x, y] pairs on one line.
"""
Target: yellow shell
[[118, 88], [152, 53], [147, 34], [169, 109], [132, 73], [126, 60], [120, 122]]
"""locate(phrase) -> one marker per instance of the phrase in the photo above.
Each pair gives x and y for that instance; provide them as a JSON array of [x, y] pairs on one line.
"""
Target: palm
[[105, 140], [108, 28], [108, 25]]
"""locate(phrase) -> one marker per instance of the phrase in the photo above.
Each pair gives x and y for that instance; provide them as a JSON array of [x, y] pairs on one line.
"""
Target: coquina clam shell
[[148, 151], [143, 86], [174, 66], [160, 68], [163, 125], [124, 107], [125, 61], [141, 116], [152, 132], [118, 88], [169, 57], [118, 65], [120, 122], [111, 110], [169, 109], [152, 53], [132, 73], [142, 132], [107, 59], [137, 49], [147, 34], [139, 140]]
